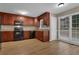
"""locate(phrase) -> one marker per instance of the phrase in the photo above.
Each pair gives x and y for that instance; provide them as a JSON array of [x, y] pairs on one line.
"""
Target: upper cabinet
[[11, 19], [8, 19], [45, 17], [27, 21], [5, 19]]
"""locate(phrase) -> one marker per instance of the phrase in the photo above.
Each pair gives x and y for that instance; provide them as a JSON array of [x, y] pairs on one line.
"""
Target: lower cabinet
[[39, 35], [42, 35], [26, 35], [7, 36], [29, 34]]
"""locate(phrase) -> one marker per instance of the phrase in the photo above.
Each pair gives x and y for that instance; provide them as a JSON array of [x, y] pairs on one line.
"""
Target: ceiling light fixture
[[23, 12], [60, 4]]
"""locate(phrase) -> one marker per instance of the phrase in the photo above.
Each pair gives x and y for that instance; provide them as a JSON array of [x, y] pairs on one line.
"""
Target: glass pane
[[64, 27], [64, 24], [75, 27]]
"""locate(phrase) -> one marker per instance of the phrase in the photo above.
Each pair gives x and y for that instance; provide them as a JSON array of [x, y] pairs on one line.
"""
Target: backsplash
[[7, 28], [11, 28]]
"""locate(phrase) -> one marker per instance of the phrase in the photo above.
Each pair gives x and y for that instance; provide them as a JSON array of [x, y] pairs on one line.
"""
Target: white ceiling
[[35, 9]]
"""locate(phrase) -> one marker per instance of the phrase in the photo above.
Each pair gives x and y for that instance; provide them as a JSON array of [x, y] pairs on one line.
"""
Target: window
[[69, 28], [64, 26], [75, 26], [64, 23]]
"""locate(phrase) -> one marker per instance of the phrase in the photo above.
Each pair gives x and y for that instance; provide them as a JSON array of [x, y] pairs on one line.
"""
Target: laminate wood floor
[[36, 47]]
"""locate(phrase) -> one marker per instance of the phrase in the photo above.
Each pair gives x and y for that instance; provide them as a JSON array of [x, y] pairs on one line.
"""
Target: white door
[[68, 29], [64, 28]]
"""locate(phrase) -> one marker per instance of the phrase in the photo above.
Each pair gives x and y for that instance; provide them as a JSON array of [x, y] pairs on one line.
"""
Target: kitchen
[[18, 27], [32, 29]]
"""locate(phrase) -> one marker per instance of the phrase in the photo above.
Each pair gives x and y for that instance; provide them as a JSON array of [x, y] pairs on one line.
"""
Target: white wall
[[53, 27]]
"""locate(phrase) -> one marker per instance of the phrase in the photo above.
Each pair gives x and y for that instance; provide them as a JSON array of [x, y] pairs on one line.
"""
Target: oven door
[[18, 35]]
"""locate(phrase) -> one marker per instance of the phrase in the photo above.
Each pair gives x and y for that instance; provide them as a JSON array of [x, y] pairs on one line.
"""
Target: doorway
[[68, 29]]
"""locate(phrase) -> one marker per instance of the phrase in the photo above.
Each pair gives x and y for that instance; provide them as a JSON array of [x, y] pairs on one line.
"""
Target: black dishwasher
[[32, 34]]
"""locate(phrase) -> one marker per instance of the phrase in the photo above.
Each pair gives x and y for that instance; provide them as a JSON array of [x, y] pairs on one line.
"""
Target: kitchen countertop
[[25, 28], [36, 29]]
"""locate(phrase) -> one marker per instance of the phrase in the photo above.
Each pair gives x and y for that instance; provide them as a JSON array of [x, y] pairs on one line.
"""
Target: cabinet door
[[11, 19], [28, 21], [36, 22], [8, 19], [47, 18], [21, 18], [46, 36], [39, 35], [26, 34], [10, 36], [5, 19], [7, 36], [4, 36]]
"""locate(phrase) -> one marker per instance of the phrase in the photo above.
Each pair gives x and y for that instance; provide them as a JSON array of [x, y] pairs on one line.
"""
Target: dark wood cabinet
[[11, 19], [5, 19], [26, 35], [42, 35], [10, 36], [29, 21], [7, 36], [8, 19], [36, 22], [46, 18], [39, 35], [45, 36], [4, 36]]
